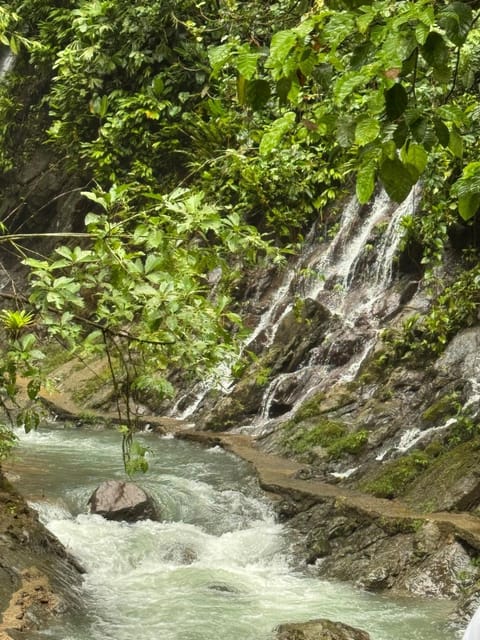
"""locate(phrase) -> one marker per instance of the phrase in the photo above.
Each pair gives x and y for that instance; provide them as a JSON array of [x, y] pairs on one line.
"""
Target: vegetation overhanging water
[[216, 567]]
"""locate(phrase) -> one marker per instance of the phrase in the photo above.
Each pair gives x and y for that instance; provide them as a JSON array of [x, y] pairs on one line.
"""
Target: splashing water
[[217, 567]]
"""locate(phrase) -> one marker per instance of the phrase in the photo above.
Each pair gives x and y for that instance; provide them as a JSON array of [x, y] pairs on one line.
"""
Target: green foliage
[[386, 83], [455, 308], [310, 409], [332, 435], [323, 434], [139, 289], [202, 128], [15, 321], [20, 358], [395, 476], [445, 407], [7, 441], [351, 443]]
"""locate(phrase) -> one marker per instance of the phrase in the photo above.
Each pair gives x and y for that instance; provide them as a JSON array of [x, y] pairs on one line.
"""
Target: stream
[[216, 568]]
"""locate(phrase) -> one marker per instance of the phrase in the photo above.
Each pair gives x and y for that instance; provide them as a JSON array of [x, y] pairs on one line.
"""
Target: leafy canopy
[[390, 85]]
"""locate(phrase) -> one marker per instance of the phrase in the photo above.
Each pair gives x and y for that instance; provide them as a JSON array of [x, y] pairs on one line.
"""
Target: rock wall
[[38, 578]]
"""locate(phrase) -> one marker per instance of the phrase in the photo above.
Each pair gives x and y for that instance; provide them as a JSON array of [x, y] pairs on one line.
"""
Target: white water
[[352, 298], [7, 60], [216, 568], [472, 632], [330, 275]]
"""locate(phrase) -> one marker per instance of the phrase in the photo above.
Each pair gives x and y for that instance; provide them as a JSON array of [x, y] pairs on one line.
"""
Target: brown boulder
[[319, 630], [122, 501]]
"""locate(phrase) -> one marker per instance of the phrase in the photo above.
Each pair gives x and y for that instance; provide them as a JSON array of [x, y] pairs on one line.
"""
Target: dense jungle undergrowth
[[189, 141]]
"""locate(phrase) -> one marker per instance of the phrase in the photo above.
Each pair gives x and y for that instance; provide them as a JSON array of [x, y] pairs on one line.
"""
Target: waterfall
[[472, 632], [334, 275], [352, 294], [7, 60]]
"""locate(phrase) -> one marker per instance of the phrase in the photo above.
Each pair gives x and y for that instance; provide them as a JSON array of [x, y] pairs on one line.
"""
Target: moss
[[352, 443], [445, 407], [396, 476], [310, 409], [392, 526], [323, 434]]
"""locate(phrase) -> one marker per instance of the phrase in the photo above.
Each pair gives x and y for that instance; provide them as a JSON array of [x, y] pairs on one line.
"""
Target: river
[[216, 568]]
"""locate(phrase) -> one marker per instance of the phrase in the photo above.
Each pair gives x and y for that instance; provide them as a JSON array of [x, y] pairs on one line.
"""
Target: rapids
[[216, 568]]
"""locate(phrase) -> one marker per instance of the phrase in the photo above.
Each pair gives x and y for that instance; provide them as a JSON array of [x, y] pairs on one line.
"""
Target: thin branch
[[455, 76], [11, 237]]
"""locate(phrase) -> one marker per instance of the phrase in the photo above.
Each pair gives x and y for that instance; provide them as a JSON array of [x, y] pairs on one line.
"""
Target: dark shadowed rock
[[320, 630], [116, 500]]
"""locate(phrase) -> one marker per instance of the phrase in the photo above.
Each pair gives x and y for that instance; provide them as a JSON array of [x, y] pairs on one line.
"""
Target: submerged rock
[[122, 501], [320, 630]]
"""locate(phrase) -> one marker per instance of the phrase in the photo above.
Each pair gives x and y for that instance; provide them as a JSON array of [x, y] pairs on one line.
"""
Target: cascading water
[[329, 274], [7, 60], [216, 567], [352, 295]]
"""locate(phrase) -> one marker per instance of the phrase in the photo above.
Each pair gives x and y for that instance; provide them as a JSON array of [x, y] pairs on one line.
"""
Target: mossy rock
[[394, 477], [323, 434], [450, 482], [352, 443], [310, 409], [442, 409]]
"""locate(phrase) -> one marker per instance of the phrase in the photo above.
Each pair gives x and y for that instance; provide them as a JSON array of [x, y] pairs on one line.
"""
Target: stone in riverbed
[[319, 630], [122, 501]]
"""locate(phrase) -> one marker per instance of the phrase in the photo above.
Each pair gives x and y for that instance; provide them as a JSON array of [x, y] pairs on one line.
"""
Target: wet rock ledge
[[38, 578]]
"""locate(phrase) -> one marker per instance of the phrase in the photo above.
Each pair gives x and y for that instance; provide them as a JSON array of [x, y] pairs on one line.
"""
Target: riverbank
[[38, 578], [378, 544]]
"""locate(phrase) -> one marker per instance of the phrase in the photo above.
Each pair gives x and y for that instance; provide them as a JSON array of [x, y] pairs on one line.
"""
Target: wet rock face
[[320, 630], [122, 501], [379, 554]]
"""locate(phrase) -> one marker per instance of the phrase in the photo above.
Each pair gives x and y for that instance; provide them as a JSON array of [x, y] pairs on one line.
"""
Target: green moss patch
[[323, 434], [445, 407], [352, 443], [394, 477], [310, 409]]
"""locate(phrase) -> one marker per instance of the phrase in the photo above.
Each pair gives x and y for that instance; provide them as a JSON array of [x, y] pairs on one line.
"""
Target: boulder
[[122, 501], [320, 630]]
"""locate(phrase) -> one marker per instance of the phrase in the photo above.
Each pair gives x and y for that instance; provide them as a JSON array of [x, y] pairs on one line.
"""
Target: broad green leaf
[[421, 32], [435, 50], [246, 63], [275, 132], [396, 101], [152, 263], [283, 87], [396, 179], [158, 85], [339, 27], [345, 132], [469, 205], [400, 134], [366, 131], [415, 155], [442, 131], [365, 184], [455, 143], [281, 44], [257, 93], [219, 57], [347, 83], [65, 252], [456, 19]]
